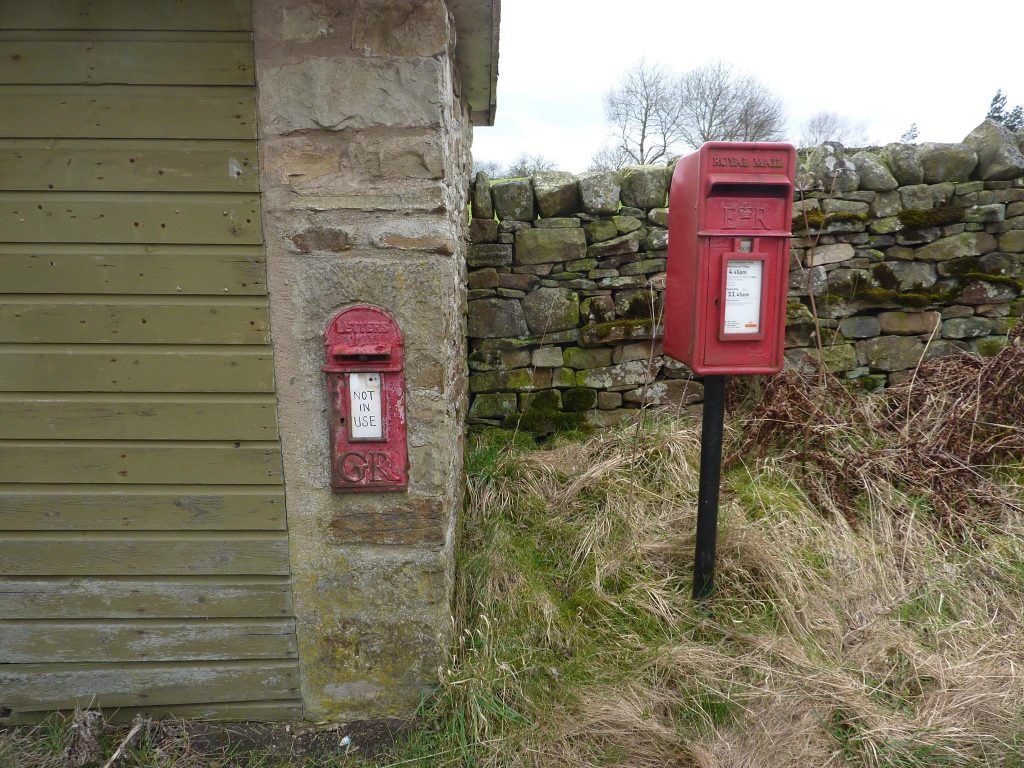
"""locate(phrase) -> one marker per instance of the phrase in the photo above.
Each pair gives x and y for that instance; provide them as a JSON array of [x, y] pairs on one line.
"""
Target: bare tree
[[491, 167], [610, 158], [645, 112], [526, 165], [831, 126], [910, 134], [719, 104]]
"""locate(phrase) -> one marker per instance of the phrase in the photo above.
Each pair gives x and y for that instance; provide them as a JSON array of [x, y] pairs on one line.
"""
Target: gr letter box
[[730, 207], [366, 387]]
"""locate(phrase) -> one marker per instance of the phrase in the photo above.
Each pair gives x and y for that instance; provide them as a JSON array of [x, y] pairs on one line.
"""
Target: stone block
[[351, 93], [904, 275], [966, 327], [956, 247], [405, 521], [480, 197], [556, 193], [578, 399], [579, 358], [999, 156], [517, 282], [599, 192], [483, 231], [547, 357], [891, 353], [620, 377], [1012, 241], [597, 309], [498, 359], [488, 255], [916, 197], [981, 214], [656, 240], [597, 334], [617, 246], [873, 172], [482, 278], [644, 186], [626, 224], [946, 162], [658, 216], [544, 246], [600, 230], [908, 323], [607, 401], [558, 222], [513, 200], [863, 327], [494, 318], [666, 392], [829, 254], [400, 28], [904, 161], [497, 405], [551, 309], [988, 292], [516, 380], [643, 267]]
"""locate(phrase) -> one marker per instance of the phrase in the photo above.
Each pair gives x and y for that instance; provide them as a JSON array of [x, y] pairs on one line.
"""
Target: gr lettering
[[373, 467]]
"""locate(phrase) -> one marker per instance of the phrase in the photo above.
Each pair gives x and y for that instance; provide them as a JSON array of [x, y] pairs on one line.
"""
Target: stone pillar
[[364, 167]]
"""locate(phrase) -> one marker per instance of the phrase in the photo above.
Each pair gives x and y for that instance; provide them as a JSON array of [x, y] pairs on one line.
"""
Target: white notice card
[[364, 406], [743, 296]]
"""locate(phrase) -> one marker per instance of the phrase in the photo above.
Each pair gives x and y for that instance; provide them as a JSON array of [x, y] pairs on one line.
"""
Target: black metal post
[[710, 481]]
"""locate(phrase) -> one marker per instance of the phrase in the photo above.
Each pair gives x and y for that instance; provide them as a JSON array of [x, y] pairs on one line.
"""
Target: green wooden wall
[[143, 546]]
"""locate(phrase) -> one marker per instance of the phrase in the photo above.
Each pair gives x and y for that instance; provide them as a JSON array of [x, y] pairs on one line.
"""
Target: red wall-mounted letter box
[[366, 385], [730, 207]]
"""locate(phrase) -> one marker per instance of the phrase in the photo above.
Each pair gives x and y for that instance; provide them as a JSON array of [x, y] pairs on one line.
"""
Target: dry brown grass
[[870, 592]]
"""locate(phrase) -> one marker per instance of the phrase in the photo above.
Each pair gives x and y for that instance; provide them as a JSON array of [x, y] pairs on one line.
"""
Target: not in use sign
[[364, 406]]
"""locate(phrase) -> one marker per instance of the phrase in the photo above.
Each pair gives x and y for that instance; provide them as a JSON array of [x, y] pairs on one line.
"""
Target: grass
[[869, 604], [868, 611]]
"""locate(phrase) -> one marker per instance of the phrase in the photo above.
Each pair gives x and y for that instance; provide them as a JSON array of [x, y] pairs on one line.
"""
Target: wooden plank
[[128, 111], [143, 554], [136, 320], [38, 62], [44, 642], [243, 710], [130, 598], [125, 217], [132, 269], [65, 686], [117, 368], [27, 507], [95, 416], [128, 165], [95, 461], [117, 14]]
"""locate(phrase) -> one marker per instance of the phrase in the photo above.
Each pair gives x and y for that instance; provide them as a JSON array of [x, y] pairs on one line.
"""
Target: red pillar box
[[730, 207], [366, 385]]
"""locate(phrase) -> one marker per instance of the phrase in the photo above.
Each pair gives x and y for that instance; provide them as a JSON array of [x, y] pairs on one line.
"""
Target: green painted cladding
[[143, 540]]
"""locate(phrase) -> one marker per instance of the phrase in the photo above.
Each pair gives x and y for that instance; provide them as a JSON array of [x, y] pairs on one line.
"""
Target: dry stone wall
[[899, 254]]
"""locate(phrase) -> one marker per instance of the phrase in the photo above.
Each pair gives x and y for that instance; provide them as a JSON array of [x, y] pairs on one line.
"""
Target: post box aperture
[[730, 206], [366, 389]]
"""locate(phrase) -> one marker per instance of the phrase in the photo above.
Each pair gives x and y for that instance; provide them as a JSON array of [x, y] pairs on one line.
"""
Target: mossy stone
[[579, 399]]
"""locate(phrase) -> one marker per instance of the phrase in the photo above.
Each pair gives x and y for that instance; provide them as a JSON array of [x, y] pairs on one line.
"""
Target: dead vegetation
[[870, 594]]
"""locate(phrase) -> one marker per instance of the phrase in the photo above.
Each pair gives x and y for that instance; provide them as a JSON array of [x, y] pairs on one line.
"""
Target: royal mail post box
[[366, 387], [730, 206]]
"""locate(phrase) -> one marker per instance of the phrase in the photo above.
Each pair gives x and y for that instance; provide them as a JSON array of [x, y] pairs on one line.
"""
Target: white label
[[743, 296], [364, 406]]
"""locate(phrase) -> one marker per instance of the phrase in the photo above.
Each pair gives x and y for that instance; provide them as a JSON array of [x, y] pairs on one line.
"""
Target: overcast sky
[[886, 64]]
